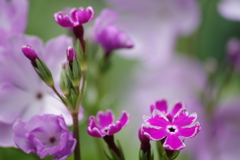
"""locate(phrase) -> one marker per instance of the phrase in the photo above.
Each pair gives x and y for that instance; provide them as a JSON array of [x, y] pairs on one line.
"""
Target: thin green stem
[[76, 134], [80, 96]]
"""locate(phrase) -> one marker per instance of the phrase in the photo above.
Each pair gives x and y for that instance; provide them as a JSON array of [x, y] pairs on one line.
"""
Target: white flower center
[[172, 129]]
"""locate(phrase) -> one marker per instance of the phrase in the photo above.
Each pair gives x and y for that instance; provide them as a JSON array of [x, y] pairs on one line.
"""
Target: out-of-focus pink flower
[[13, 18], [107, 34], [171, 125], [22, 93], [44, 135], [230, 9], [104, 124], [155, 25], [233, 51], [76, 17]]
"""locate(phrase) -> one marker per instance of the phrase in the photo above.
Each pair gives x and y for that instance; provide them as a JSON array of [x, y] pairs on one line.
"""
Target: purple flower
[[169, 126], [13, 18], [104, 124], [230, 9], [233, 51], [76, 17], [22, 93], [107, 34], [44, 135], [164, 21]]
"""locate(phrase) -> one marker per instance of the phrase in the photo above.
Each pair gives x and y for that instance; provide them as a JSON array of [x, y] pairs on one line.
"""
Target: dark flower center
[[52, 140], [171, 129], [39, 95]]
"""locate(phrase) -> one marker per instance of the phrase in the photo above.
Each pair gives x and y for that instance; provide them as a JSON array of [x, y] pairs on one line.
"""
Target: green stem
[[80, 96], [76, 134]]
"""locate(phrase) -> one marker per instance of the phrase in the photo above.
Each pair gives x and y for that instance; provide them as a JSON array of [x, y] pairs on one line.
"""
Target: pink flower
[[104, 124], [107, 34], [75, 18], [170, 125], [233, 51]]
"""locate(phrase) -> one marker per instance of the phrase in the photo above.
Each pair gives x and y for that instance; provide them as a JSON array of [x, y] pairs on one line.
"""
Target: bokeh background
[[185, 66]]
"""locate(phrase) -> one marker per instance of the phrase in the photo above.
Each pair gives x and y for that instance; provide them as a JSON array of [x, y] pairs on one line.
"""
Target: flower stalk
[[76, 135]]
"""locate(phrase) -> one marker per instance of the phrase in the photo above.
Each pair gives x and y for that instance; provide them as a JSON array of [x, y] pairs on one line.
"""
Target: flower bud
[[30, 54]]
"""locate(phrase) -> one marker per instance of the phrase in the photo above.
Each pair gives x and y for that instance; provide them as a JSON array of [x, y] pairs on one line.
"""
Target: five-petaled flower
[[104, 125], [169, 126], [76, 17], [44, 135]]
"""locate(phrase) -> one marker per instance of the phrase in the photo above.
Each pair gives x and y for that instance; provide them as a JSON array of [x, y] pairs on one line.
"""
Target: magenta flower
[[75, 18], [13, 18], [44, 135], [104, 124], [107, 34], [169, 126]]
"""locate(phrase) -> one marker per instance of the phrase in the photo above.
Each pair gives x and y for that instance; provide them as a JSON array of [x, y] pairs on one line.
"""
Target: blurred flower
[[22, 93], [219, 136], [230, 9], [44, 135], [171, 126], [107, 34], [233, 51], [155, 25], [104, 124], [13, 18], [75, 17]]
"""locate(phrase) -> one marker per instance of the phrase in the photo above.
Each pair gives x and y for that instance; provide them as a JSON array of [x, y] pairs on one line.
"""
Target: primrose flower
[[169, 126], [230, 9], [104, 124], [13, 18], [107, 34], [76, 17], [44, 135]]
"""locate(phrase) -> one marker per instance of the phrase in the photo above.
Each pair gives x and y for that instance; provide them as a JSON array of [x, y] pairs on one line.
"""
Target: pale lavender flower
[[22, 93], [171, 125], [155, 25], [76, 17], [13, 18], [44, 135], [107, 34], [104, 125], [230, 9]]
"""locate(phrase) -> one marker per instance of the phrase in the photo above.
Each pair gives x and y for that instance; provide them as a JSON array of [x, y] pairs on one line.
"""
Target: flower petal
[[124, 118], [105, 119], [93, 129], [158, 119], [19, 137], [114, 128], [172, 142], [191, 131], [153, 133], [160, 105], [6, 138], [184, 120]]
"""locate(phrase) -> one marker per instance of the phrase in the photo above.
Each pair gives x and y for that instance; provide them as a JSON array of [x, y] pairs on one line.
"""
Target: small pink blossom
[[104, 124], [170, 125], [75, 17]]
